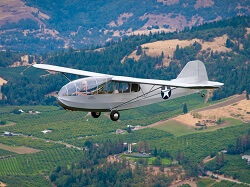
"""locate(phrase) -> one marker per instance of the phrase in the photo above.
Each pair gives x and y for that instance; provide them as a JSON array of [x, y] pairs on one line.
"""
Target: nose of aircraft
[[60, 102]]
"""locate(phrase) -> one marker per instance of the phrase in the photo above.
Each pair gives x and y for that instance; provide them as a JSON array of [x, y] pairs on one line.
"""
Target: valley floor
[[67, 132]]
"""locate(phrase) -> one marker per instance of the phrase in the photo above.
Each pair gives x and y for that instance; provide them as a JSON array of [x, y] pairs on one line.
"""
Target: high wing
[[193, 76], [68, 70]]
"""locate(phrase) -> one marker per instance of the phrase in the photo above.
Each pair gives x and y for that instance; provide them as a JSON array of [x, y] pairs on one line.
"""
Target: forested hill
[[230, 66], [45, 25]]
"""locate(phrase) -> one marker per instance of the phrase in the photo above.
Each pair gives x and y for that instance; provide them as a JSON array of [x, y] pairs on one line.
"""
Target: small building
[[7, 133], [20, 110], [247, 158], [46, 131]]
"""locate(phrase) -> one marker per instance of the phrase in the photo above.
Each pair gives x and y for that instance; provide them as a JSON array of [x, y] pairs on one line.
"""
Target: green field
[[165, 161], [178, 129], [175, 128], [77, 127], [6, 153], [205, 182], [38, 163]]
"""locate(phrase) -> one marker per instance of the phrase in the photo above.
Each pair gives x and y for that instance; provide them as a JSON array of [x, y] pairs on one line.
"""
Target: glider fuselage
[[148, 94]]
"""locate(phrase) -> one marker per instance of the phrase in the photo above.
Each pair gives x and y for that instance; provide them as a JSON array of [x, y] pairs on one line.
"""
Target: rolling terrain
[[75, 128], [41, 26], [50, 146]]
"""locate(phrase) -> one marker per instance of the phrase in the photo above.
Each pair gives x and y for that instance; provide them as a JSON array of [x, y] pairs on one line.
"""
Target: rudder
[[194, 71]]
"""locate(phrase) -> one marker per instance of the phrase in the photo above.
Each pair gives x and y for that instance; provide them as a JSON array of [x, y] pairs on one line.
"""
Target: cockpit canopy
[[96, 85], [84, 86]]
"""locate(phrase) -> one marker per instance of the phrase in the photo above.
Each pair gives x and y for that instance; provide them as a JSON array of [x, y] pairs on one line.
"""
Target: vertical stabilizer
[[194, 71]]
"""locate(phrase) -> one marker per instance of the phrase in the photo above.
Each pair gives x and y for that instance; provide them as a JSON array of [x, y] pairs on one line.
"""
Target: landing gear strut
[[114, 115], [95, 114]]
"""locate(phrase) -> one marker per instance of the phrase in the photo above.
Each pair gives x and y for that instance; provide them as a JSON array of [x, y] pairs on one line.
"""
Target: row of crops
[[67, 125], [199, 145], [41, 162]]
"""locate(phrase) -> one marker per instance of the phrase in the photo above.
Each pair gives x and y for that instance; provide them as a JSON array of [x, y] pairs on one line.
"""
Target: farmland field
[[19, 149], [77, 127], [175, 128], [5, 152]]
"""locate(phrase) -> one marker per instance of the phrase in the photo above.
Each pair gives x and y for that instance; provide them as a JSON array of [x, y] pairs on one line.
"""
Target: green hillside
[[80, 24], [229, 67]]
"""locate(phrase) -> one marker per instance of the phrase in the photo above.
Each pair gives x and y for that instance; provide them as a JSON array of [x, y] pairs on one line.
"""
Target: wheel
[[95, 114], [114, 115], [203, 95]]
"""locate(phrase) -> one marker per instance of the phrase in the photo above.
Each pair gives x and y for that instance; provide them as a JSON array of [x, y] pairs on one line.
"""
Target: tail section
[[194, 71], [194, 76]]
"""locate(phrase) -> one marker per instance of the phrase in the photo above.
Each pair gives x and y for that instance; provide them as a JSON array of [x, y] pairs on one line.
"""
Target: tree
[[129, 130], [185, 109], [229, 43], [16, 111], [139, 50], [140, 146], [157, 161], [162, 56], [146, 147], [3, 122], [155, 152], [220, 159]]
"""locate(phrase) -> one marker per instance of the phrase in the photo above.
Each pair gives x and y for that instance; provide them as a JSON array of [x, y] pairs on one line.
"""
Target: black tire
[[203, 95], [95, 114], [114, 115]]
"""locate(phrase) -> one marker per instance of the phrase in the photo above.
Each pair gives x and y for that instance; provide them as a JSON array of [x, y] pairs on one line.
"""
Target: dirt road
[[234, 99]]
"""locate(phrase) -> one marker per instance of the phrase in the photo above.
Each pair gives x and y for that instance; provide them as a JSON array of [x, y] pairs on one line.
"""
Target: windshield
[[85, 86]]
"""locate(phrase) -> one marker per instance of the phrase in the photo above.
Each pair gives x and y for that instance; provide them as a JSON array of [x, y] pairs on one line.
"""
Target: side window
[[135, 88], [109, 87], [124, 88]]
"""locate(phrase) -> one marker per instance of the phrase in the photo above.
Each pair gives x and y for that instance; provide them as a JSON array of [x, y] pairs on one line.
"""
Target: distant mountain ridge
[[44, 25]]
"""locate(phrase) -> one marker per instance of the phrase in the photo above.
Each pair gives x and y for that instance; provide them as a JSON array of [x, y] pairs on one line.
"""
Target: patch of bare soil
[[2, 184], [2, 81], [239, 110], [19, 149], [14, 10], [208, 159], [121, 19], [190, 182], [168, 47], [203, 4], [168, 2]]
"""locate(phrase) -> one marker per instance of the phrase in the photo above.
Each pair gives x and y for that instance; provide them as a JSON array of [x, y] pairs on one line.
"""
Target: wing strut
[[66, 76]]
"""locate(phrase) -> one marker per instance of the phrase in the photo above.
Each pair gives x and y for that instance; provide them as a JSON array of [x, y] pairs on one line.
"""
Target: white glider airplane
[[109, 93]]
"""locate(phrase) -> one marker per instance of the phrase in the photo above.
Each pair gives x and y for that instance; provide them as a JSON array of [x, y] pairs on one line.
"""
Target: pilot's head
[[84, 86]]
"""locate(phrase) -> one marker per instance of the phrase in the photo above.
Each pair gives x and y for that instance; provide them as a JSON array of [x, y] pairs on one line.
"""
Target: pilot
[[83, 91]]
